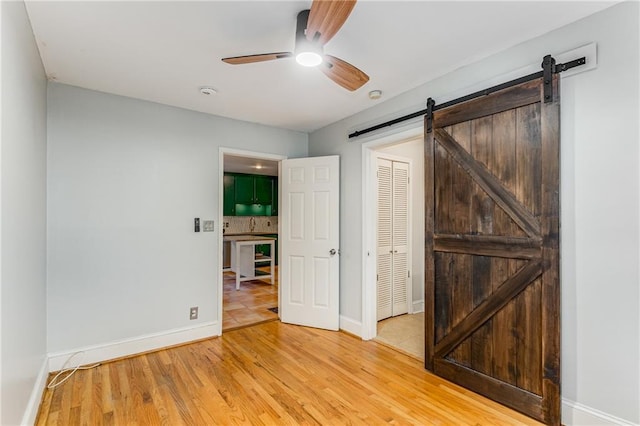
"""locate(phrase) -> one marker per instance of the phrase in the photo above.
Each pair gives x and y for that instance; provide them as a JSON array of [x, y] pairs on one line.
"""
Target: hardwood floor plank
[[74, 416], [45, 406], [94, 410], [269, 374], [64, 409]]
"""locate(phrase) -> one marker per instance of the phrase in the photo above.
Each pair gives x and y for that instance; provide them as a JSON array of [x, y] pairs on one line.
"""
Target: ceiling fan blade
[[326, 18], [238, 60], [343, 73]]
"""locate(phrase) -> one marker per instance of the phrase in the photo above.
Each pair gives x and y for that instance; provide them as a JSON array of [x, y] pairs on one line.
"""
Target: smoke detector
[[208, 91], [375, 94]]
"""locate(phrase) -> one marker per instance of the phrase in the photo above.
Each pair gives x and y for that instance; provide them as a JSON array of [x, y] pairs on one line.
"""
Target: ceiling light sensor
[[375, 94], [208, 91]]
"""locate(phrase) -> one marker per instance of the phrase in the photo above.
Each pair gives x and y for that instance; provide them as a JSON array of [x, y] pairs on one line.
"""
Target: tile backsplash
[[243, 224]]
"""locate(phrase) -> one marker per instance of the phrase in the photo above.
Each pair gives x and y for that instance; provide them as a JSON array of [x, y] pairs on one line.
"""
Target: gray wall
[[23, 214], [600, 196], [125, 180]]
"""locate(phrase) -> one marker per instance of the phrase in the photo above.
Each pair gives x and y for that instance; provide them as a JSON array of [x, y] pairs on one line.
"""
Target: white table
[[244, 259]]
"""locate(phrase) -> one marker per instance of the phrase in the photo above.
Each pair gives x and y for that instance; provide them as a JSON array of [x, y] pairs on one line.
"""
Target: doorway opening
[[249, 290], [393, 313]]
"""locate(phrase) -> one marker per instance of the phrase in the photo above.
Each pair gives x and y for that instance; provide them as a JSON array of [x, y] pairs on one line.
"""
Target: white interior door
[[309, 238], [400, 256], [384, 239]]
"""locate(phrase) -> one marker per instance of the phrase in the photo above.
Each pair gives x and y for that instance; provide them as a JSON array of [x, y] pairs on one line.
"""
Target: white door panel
[[309, 272], [400, 238], [384, 241]]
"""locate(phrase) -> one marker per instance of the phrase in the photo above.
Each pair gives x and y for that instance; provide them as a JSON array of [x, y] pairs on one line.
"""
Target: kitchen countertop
[[233, 234], [246, 237]]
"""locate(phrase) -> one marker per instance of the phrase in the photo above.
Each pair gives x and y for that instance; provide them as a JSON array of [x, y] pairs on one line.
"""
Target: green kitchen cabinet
[[244, 189], [250, 195], [253, 189], [263, 189], [274, 199], [229, 206]]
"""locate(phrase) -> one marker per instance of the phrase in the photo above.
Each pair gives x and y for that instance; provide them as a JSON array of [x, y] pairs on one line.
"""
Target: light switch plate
[[207, 226]]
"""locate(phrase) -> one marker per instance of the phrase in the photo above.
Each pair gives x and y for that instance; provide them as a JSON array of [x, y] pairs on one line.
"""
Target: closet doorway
[[393, 275], [393, 288]]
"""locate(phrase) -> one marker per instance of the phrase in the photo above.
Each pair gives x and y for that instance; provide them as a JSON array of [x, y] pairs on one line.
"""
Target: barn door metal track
[[549, 67]]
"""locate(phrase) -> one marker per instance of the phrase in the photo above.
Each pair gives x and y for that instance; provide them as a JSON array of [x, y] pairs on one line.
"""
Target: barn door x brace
[[549, 67]]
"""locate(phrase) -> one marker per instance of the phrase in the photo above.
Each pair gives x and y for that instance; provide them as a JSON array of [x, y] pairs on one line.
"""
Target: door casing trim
[[241, 153], [410, 131]]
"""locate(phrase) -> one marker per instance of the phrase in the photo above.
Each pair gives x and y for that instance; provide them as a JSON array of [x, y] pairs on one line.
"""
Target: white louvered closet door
[[384, 239], [392, 238]]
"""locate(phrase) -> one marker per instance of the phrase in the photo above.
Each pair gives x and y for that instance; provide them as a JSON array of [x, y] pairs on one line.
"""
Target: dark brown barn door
[[492, 261]]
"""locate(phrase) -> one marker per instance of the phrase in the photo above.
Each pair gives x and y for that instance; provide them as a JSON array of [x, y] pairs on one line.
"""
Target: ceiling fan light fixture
[[314, 28], [309, 58]]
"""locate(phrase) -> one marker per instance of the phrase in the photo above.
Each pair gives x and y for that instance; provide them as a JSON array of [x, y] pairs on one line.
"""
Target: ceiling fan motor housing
[[303, 44]]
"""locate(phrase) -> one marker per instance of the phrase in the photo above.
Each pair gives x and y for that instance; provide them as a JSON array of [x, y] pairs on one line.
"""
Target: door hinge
[[408, 274], [377, 277]]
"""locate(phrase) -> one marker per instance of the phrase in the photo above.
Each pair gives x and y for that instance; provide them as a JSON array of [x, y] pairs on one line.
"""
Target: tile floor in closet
[[404, 332]]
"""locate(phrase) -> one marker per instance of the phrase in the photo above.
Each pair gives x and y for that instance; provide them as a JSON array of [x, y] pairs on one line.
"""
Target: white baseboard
[[33, 405], [417, 306], [351, 326], [576, 414], [126, 347]]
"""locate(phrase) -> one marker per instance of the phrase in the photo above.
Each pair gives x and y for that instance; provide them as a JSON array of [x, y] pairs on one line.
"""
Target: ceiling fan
[[315, 27]]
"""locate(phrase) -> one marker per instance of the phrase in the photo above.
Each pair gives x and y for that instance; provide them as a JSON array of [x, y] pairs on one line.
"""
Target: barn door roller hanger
[[549, 67]]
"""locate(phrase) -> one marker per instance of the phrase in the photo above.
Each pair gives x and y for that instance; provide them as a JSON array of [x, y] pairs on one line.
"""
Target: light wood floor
[[249, 305], [269, 374]]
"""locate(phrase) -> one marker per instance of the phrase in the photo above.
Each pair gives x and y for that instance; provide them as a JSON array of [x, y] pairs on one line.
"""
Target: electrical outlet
[[193, 313]]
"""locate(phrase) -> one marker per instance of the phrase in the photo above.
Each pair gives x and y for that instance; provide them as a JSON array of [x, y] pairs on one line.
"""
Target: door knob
[[332, 252]]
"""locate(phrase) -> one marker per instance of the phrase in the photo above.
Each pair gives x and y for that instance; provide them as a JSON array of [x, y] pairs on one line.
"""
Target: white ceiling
[[253, 166], [165, 51]]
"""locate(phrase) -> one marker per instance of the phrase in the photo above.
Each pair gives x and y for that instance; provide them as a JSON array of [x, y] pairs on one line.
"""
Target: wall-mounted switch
[[196, 224], [208, 226]]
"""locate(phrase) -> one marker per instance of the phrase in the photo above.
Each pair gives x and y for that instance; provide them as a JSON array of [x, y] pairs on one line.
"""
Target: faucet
[[252, 223]]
